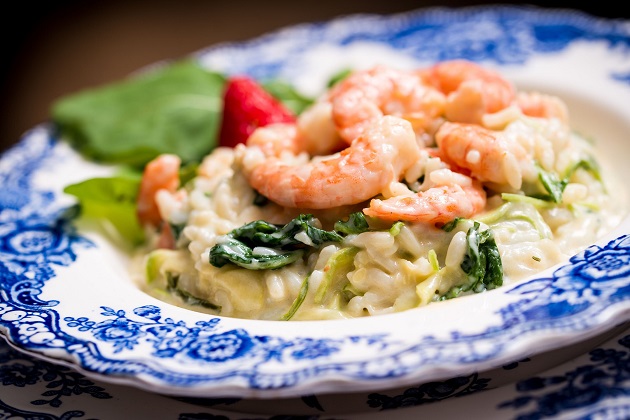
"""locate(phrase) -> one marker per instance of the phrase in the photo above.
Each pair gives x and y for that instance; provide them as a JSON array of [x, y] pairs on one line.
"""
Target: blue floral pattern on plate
[[154, 344]]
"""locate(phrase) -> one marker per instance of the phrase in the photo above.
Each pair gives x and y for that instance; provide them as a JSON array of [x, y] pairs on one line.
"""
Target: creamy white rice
[[388, 268]]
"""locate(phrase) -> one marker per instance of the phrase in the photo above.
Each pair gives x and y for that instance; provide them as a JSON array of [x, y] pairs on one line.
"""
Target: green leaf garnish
[[175, 109], [111, 199]]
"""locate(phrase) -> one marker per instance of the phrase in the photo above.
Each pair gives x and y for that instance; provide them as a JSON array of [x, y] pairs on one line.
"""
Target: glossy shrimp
[[162, 173], [453, 195], [471, 90], [535, 104], [367, 95], [489, 155], [373, 160]]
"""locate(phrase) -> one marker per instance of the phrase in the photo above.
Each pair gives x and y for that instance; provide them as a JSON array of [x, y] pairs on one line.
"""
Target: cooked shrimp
[[540, 105], [438, 205], [317, 130], [471, 90], [373, 160], [365, 96], [489, 155], [162, 173]]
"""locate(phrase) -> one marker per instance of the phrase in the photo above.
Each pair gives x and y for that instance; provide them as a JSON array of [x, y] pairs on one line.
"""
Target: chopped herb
[[535, 258]]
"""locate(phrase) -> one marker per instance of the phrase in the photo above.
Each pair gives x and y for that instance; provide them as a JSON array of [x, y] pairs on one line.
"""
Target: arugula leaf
[[174, 109], [112, 199]]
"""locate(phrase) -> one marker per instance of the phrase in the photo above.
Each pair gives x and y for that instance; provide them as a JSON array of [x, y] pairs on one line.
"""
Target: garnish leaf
[[112, 199], [174, 109]]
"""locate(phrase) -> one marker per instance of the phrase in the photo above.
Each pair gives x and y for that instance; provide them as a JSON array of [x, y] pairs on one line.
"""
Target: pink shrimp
[[162, 173], [437, 205], [372, 161], [367, 95], [540, 105], [471, 90], [489, 155]]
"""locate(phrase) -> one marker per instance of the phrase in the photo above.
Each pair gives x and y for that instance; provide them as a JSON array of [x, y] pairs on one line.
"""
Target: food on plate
[[393, 189]]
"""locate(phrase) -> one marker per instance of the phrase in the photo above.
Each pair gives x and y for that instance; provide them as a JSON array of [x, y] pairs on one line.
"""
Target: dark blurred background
[[53, 48]]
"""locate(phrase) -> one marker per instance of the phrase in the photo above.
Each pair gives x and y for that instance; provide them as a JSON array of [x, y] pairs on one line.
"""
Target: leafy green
[[173, 109], [297, 302], [339, 264], [554, 186], [278, 245], [112, 199], [287, 94], [236, 252], [356, 223], [338, 77], [448, 227], [482, 263]]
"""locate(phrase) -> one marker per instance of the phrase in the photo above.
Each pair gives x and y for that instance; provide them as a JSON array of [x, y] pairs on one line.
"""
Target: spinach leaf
[[482, 263], [554, 186], [173, 109], [279, 245], [112, 199], [236, 252], [287, 94], [356, 223]]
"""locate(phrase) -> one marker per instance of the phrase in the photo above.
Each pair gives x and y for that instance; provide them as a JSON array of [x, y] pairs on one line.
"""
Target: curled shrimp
[[488, 155], [162, 173], [366, 95], [373, 160], [458, 196], [540, 105], [471, 90]]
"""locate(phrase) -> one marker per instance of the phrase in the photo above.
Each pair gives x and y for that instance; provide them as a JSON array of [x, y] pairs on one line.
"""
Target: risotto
[[394, 190]]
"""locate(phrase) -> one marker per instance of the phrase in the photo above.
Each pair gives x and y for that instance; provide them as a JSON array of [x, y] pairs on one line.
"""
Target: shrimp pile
[[425, 156]]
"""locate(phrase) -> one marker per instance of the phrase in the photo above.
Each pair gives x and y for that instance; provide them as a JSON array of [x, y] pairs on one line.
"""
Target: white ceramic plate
[[65, 294]]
